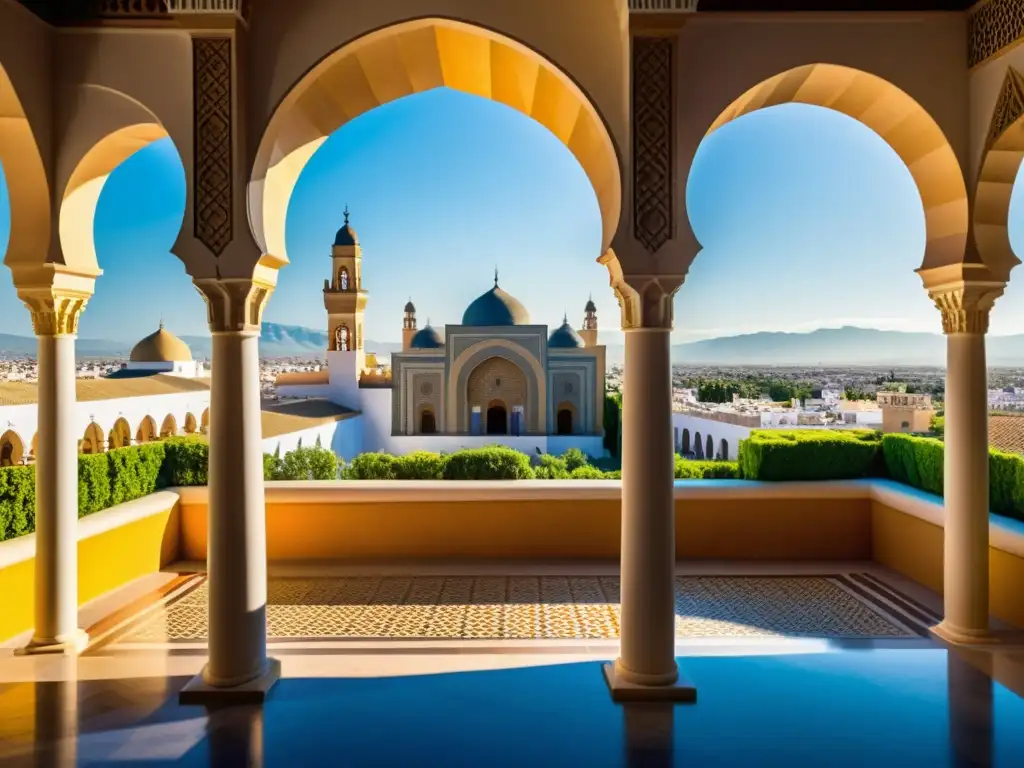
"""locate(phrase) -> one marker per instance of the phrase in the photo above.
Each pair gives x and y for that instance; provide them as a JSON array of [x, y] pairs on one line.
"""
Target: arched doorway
[[147, 430], [120, 435], [709, 449], [497, 386], [497, 418], [169, 428], [92, 440], [565, 419], [190, 424], [12, 449], [686, 441], [428, 423], [204, 423], [698, 446], [724, 450]]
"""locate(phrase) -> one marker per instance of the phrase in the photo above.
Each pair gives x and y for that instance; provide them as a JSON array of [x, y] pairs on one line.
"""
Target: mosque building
[[160, 392], [495, 377]]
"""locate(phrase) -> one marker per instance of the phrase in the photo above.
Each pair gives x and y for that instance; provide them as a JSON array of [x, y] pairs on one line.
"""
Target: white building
[[161, 391]]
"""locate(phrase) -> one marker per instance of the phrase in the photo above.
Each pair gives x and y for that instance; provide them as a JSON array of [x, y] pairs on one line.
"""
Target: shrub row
[[811, 454], [917, 461], [124, 474]]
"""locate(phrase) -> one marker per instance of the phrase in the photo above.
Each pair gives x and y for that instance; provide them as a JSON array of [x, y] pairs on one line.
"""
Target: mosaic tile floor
[[532, 607]]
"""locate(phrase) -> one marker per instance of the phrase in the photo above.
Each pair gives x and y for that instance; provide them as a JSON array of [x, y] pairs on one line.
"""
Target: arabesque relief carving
[[1009, 107], [993, 26], [652, 141], [212, 220], [55, 313], [965, 308]]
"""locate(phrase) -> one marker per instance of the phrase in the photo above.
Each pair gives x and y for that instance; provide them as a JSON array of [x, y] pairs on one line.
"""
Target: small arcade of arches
[[92, 440], [169, 428], [147, 431], [190, 424], [565, 419], [12, 449], [120, 435]]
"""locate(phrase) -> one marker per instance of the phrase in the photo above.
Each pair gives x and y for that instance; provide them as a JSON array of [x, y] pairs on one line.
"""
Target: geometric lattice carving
[[653, 161], [1009, 107], [993, 26], [213, 156]]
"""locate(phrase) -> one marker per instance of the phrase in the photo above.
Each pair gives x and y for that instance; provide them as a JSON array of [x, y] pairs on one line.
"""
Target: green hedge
[[810, 454], [916, 461], [687, 469]]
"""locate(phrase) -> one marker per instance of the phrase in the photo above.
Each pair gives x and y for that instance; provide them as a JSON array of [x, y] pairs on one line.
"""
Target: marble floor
[[808, 666]]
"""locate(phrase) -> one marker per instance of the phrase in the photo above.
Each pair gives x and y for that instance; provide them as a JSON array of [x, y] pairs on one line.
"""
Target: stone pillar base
[[682, 691], [199, 692], [68, 645], [960, 636]]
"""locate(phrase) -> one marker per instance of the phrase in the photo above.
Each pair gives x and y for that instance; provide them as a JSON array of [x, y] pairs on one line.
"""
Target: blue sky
[[807, 218]]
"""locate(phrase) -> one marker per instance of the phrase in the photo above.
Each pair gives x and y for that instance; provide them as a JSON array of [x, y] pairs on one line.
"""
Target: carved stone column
[[55, 314], [238, 670], [646, 668], [965, 311]]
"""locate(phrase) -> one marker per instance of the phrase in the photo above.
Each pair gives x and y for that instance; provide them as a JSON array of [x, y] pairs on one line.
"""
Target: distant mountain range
[[826, 346]]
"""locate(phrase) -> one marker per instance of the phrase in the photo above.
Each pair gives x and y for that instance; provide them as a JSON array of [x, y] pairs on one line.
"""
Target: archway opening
[[709, 449], [497, 419], [120, 435], [428, 423], [12, 449], [123, 210], [169, 428], [204, 425], [147, 431], [190, 424], [686, 441], [723, 450], [698, 446], [564, 419], [92, 440]]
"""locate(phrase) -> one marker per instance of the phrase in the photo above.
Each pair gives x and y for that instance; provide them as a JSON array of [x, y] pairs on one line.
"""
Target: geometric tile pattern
[[532, 607]]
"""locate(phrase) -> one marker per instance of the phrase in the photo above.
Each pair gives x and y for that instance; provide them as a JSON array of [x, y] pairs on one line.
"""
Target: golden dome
[[161, 347]]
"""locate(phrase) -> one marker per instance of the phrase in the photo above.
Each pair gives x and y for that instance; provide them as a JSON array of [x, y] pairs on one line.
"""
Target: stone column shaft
[[237, 546], [647, 651], [966, 556]]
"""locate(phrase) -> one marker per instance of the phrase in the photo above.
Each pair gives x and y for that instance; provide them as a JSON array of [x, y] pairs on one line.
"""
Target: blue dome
[[564, 337], [426, 338], [496, 308]]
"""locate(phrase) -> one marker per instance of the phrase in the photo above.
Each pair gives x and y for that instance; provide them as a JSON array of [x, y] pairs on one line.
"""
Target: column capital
[[234, 304], [54, 312], [645, 301], [965, 307]]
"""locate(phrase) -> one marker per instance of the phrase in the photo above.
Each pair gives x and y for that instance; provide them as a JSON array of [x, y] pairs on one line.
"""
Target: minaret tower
[[408, 325], [589, 330], [345, 301]]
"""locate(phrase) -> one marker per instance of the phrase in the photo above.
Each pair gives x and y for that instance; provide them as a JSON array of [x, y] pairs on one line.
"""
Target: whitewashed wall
[[23, 419], [731, 433]]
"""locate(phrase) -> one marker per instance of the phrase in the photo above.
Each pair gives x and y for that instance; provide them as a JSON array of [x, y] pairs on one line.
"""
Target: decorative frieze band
[[653, 141], [213, 161]]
